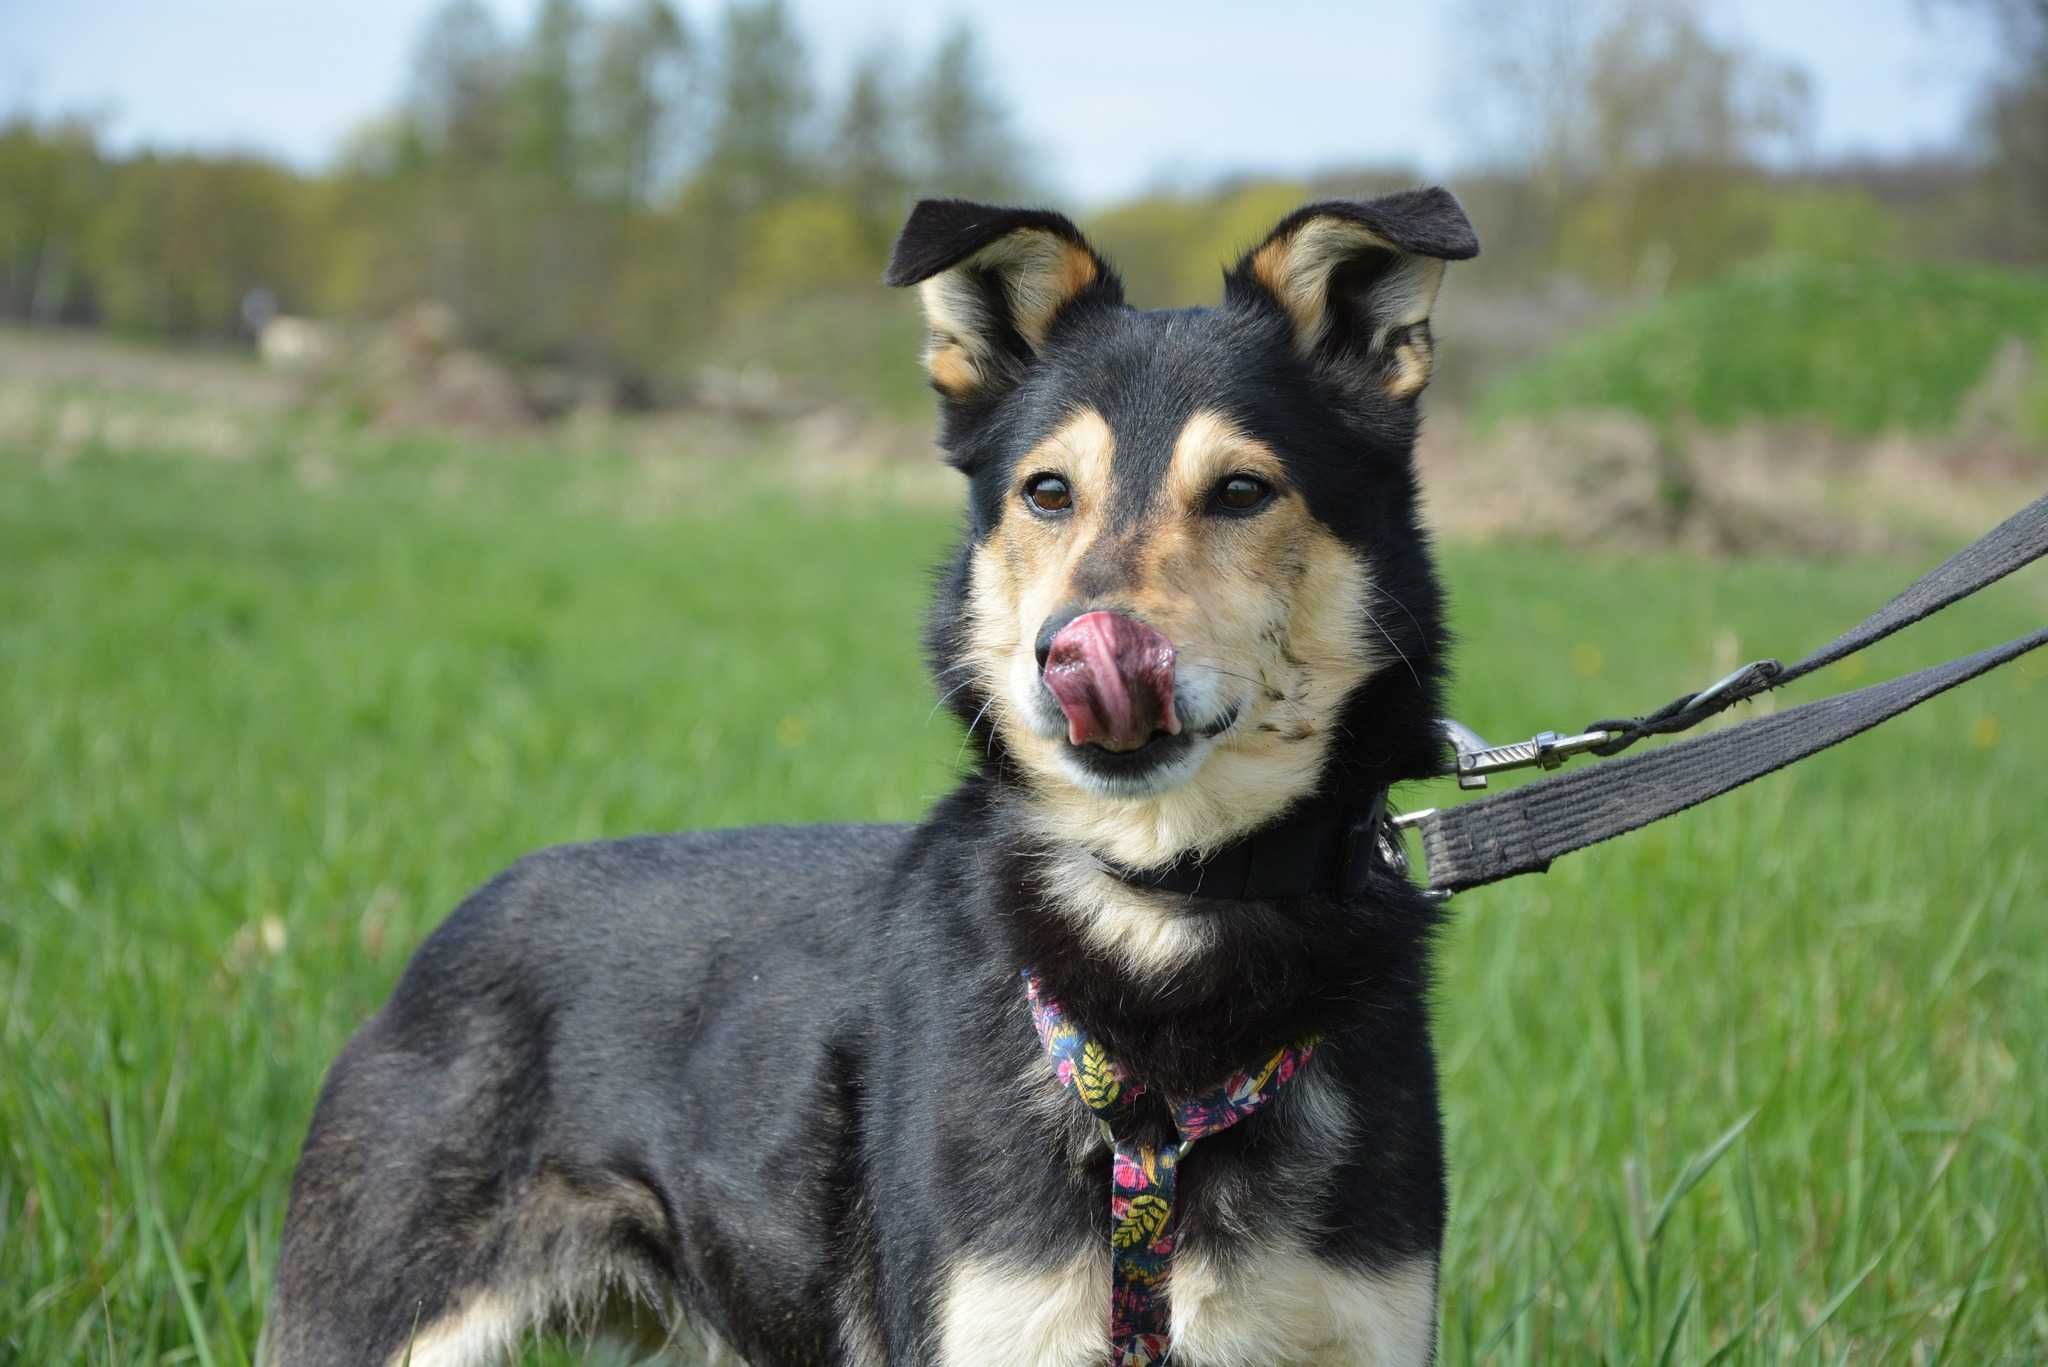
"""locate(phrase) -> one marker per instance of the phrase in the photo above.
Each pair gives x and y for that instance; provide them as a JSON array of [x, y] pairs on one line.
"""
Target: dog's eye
[[1049, 494], [1240, 494]]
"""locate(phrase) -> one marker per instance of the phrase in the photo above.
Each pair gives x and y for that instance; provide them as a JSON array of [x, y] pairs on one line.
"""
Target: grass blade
[[1695, 1171], [183, 1282], [1837, 1301], [1677, 1323]]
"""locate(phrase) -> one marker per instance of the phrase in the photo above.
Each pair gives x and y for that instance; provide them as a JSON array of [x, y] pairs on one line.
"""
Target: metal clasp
[[1545, 750], [1395, 851]]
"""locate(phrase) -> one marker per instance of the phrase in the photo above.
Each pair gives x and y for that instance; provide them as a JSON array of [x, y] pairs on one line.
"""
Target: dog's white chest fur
[[1278, 1306]]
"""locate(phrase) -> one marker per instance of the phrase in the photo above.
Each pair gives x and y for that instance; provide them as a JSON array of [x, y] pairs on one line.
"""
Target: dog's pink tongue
[[1114, 680]]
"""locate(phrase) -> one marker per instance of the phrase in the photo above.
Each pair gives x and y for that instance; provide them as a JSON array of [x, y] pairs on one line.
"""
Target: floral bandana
[[1141, 1177]]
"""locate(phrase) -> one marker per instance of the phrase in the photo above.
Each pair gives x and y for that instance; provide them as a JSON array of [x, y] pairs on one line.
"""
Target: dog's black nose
[[1054, 625]]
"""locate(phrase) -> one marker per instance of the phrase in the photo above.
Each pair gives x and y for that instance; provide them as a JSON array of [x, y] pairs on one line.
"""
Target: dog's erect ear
[[1357, 280], [993, 282]]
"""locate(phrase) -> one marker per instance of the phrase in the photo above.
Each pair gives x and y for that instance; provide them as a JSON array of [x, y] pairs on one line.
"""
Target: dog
[[781, 1087]]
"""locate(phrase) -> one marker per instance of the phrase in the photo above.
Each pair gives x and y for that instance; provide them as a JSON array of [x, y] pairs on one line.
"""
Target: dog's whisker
[[945, 698], [1395, 644], [1388, 594], [989, 702]]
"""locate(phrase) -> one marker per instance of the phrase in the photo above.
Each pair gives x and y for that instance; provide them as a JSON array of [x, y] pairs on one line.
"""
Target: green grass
[[262, 723], [1862, 348]]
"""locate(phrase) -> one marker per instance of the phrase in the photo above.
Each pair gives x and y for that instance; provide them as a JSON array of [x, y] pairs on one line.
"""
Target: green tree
[[542, 97], [964, 134], [2012, 125], [643, 87], [867, 150], [50, 182], [1630, 127], [757, 153], [179, 241], [459, 75]]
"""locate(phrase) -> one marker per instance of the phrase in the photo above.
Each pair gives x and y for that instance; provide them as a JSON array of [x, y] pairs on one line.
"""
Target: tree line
[[624, 191], [605, 189]]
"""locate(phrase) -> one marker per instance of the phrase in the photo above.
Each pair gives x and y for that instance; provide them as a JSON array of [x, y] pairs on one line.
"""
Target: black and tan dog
[[781, 1085]]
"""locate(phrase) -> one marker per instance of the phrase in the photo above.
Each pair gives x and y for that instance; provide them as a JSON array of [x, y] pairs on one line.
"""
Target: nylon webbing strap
[[2015, 543], [1523, 831]]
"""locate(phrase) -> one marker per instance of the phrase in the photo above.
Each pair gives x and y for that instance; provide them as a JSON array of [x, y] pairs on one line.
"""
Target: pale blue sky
[[1112, 97]]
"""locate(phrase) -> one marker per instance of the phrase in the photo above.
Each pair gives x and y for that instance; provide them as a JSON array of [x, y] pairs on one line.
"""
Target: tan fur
[[1285, 1306], [953, 370], [490, 1328], [1041, 273], [1272, 604], [485, 1328], [993, 1315], [1297, 269], [568, 1287], [1147, 930], [1272, 1307], [1413, 357]]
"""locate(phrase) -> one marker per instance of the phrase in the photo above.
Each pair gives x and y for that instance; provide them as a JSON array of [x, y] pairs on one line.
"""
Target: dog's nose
[[1054, 625], [1113, 678]]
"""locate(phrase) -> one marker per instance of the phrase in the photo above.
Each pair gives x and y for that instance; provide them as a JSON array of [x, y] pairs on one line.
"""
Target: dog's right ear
[[1357, 280], [993, 282]]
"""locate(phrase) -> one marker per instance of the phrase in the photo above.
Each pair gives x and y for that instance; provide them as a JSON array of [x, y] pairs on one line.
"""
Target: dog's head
[[1192, 589]]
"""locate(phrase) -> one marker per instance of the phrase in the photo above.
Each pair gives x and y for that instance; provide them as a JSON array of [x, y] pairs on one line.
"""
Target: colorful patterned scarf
[[1142, 1177]]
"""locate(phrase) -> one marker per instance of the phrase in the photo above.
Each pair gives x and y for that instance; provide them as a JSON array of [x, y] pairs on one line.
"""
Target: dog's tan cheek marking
[[1083, 451], [1252, 567], [1194, 571], [1023, 569], [993, 1314]]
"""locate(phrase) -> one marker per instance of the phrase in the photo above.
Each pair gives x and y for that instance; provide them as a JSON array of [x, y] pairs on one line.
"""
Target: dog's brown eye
[[1049, 494], [1241, 494]]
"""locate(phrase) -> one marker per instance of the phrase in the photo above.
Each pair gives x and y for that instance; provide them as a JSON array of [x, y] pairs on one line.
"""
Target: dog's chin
[[1158, 766]]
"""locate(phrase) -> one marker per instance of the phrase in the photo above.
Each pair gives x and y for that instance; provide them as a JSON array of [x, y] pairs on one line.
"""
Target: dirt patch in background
[[1606, 479], [1595, 479], [56, 357]]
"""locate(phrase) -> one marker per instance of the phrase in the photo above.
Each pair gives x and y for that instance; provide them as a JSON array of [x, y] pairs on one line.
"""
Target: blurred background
[[1735, 235], [433, 431]]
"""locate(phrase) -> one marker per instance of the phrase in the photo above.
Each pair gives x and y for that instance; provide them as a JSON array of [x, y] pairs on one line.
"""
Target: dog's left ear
[[993, 282], [1357, 280]]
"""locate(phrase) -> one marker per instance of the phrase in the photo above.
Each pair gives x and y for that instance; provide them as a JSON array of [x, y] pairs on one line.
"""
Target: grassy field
[[1860, 349], [263, 721]]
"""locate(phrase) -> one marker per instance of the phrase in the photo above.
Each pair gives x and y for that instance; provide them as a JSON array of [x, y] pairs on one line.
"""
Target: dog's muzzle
[[1113, 678]]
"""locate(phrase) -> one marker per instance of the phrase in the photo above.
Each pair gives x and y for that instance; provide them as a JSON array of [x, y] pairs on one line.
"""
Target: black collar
[[1320, 847]]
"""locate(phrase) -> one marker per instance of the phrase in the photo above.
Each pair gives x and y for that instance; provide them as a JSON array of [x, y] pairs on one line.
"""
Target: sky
[[1111, 99]]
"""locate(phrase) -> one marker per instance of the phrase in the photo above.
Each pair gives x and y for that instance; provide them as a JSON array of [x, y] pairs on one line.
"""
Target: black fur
[[781, 1080]]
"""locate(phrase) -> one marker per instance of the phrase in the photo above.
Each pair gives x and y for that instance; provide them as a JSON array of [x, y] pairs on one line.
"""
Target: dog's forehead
[[1147, 374]]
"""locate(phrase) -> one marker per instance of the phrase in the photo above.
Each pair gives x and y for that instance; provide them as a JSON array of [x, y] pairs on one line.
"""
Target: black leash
[[1523, 831]]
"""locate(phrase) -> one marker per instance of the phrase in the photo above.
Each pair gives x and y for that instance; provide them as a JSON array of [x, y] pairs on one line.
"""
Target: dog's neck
[[1322, 847], [1178, 988]]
